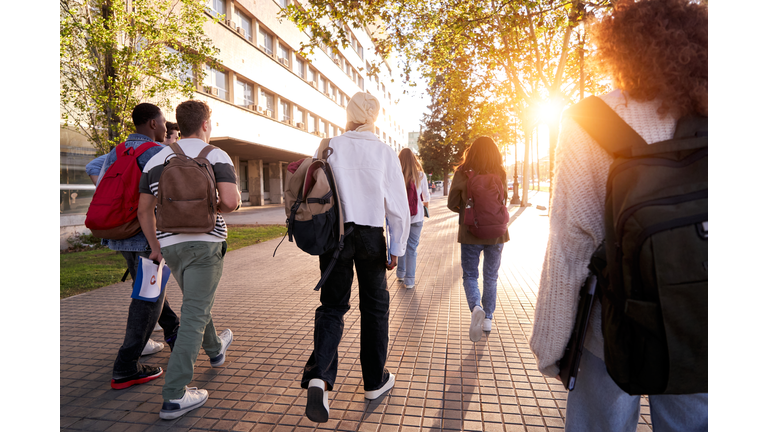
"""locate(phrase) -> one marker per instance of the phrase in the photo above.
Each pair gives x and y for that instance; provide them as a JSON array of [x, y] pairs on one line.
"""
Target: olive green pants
[[197, 268]]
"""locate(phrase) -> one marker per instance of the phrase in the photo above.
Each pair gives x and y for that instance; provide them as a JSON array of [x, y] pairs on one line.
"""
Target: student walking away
[[370, 183], [172, 133], [142, 315], [479, 195], [418, 200], [182, 181], [656, 52]]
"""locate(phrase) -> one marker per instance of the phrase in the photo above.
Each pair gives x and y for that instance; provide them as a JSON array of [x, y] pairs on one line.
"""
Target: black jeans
[[142, 316], [366, 249]]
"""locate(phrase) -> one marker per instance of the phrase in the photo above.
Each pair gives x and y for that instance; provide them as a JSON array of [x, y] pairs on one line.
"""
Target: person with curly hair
[[656, 53]]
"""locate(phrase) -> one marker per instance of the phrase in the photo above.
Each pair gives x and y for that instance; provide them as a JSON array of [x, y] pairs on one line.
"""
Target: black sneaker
[[145, 374]]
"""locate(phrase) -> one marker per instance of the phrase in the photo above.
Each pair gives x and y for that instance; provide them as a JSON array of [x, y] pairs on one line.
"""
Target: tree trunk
[[110, 77], [526, 165]]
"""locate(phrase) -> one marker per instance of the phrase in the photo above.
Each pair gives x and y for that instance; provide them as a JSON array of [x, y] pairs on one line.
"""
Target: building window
[[265, 42], [322, 85], [321, 126], [360, 82], [285, 111], [311, 123], [215, 82], [243, 93], [267, 101], [298, 114], [244, 22], [312, 76], [298, 67], [216, 7], [284, 55], [283, 3]]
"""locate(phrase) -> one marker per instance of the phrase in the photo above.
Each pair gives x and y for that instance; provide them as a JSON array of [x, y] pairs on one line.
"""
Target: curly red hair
[[657, 49]]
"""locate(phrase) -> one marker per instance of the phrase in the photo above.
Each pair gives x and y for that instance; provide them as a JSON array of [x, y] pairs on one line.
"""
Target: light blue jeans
[[470, 263], [598, 404], [406, 265]]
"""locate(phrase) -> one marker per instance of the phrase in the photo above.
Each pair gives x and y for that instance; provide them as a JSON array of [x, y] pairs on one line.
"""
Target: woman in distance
[[482, 157], [418, 197]]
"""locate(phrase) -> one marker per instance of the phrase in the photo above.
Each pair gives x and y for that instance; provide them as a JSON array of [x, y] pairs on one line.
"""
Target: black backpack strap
[[603, 124]]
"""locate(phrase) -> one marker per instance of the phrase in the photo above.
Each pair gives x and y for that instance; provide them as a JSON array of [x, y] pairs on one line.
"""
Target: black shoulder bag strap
[[606, 127], [323, 152]]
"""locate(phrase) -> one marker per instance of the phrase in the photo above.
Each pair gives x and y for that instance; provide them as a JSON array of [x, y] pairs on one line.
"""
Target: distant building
[[270, 105], [413, 141]]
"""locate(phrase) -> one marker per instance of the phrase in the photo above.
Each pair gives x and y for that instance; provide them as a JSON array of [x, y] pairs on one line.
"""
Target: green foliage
[[81, 272], [516, 54], [239, 237], [112, 59], [81, 241], [85, 271]]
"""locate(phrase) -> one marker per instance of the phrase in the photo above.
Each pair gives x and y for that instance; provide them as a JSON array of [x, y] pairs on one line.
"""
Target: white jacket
[[371, 186], [422, 191]]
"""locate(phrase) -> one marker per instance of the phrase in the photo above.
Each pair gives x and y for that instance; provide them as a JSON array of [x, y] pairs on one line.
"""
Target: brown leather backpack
[[186, 193]]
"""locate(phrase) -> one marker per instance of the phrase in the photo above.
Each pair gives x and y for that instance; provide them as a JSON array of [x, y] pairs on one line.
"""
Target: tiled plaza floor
[[444, 381]]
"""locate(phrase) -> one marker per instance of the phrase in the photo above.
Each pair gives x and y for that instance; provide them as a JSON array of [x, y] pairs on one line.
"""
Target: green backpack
[[653, 287]]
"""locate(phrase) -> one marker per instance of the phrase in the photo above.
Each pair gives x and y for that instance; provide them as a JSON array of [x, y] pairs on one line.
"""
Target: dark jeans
[[142, 316], [366, 249]]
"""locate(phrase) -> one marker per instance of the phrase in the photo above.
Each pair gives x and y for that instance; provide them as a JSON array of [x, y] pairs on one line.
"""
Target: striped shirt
[[223, 171]]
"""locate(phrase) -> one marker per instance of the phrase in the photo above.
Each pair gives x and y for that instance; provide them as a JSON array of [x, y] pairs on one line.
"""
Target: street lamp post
[[515, 184]]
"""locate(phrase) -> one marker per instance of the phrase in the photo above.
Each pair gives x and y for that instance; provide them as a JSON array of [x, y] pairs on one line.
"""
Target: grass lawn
[[85, 271]]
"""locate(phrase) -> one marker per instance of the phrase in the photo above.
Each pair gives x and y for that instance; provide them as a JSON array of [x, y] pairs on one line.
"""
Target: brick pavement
[[444, 381]]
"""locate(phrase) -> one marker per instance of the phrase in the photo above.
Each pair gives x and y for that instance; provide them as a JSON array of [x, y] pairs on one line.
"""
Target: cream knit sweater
[[576, 227]]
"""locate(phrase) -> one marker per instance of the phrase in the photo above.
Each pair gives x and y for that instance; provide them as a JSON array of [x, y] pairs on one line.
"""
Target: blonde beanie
[[363, 109]]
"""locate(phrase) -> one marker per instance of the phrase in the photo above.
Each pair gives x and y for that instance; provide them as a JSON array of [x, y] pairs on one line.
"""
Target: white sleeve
[[424, 188]]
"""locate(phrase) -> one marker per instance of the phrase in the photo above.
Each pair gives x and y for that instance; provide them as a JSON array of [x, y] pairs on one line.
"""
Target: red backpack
[[113, 211], [413, 199], [486, 213]]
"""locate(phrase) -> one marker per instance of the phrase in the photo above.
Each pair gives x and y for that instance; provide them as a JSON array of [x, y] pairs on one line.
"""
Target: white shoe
[[476, 328], [375, 394], [317, 401], [487, 325], [157, 327], [410, 286], [226, 340], [152, 347], [193, 398], [399, 279]]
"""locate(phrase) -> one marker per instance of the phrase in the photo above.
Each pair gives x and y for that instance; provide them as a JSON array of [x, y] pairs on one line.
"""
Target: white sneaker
[[152, 347], [193, 398], [226, 340], [476, 328], [317, 401], [375, 394], [399, 279], [487, 325], [410, 286]]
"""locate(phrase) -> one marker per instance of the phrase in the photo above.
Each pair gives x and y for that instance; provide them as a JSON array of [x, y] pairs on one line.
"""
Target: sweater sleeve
[[576, 229]]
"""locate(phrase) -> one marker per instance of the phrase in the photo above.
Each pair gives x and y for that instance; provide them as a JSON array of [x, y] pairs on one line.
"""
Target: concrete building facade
[[271, 106]]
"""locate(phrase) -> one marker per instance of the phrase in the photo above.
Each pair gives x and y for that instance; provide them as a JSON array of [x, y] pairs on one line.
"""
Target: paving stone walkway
[[444, 381]]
